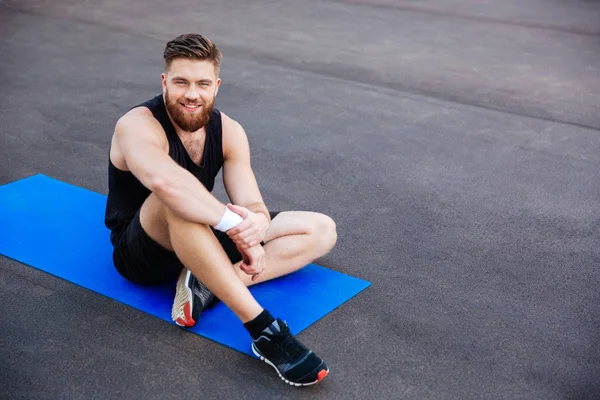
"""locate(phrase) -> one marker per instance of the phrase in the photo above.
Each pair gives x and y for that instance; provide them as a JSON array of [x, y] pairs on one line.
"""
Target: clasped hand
[[254, 261], [247, 237], [251, 231]]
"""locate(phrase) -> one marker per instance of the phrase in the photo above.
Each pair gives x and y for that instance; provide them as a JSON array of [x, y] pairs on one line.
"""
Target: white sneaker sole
[[181, 313], [319, 379]]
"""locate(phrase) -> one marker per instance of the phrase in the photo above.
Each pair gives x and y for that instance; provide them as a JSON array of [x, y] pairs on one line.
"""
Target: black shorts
[[139, 259]]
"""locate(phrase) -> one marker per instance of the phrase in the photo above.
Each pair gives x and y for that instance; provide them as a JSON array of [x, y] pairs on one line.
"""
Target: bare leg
[[201, 253], [294, 239]]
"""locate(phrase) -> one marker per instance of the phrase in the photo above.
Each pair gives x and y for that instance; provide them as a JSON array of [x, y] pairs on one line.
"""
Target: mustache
[[189, 122]]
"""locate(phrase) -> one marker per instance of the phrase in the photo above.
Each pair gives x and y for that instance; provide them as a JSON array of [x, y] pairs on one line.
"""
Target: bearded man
[[165, 223]]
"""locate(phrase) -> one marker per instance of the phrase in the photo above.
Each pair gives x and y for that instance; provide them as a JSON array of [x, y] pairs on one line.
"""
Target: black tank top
[[126, 193]]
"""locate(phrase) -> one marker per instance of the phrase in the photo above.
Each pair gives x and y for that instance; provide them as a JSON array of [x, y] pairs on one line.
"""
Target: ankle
[[258, 324]]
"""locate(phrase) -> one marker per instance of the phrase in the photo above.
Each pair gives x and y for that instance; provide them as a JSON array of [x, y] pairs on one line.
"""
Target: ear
[[163, 79], [218, 83]]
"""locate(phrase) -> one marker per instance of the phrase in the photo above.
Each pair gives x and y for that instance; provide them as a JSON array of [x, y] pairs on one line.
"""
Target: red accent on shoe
[[322, 374], [187, 319], [187, 312]]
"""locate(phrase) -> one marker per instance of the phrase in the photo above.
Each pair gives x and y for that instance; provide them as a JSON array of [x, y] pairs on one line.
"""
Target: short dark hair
[[192, 46]]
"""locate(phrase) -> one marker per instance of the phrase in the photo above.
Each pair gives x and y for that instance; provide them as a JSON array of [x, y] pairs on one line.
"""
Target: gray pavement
[[455, 145]]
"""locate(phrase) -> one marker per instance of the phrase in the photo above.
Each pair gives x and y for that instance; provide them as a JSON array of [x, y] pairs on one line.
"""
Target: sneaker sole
[[181, 312], [322, 374]]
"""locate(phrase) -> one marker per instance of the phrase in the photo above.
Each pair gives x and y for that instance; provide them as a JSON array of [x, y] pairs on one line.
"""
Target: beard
[[188, 121]]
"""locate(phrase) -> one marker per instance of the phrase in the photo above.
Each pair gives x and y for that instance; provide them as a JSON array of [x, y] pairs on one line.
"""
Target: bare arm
[[238, 177], [139, 139]]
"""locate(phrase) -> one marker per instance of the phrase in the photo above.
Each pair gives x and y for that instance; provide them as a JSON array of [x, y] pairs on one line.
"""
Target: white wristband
[[228, 221]]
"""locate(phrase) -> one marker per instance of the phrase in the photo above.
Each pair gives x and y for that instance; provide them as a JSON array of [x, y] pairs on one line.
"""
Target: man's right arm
[[139, 140]]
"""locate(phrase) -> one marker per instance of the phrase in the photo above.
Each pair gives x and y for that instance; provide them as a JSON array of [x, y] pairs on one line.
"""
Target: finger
[[258, 274], [257, 268], [243, 244], [241, 211], [246, 243], [244, 234], [244, 225], [247, 269], [247, 272], [250, 265]]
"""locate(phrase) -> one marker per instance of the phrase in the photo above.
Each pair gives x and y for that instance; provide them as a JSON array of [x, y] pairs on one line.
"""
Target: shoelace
[[290, 345]]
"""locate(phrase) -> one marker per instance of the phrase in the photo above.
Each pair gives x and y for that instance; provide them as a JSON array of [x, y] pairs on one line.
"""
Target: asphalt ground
[[454, 143]]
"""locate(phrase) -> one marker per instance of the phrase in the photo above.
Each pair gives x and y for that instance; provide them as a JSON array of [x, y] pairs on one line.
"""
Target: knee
[[325, 231]]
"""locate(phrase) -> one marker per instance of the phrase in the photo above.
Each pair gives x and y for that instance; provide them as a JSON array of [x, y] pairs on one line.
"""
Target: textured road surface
[[456, 144]]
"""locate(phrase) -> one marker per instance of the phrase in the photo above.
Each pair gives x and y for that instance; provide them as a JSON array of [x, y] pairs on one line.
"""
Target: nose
[[192, 93]]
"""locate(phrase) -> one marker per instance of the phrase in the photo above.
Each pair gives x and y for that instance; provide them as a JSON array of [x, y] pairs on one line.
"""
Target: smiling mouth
[[191, 107]]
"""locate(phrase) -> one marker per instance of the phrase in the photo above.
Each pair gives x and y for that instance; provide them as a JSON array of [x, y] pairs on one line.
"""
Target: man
[[164, 156]]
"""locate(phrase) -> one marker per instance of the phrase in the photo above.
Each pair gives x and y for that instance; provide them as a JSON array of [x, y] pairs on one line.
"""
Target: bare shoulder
[[137, 124], [133, 118], [230, 126], [235, 141]]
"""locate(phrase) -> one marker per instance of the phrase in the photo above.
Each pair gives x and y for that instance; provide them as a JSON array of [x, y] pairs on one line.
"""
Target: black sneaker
[[294, 363], [191, 298]]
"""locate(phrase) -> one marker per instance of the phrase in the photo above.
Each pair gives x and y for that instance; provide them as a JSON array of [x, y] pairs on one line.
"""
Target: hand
[[253, 260], [251, 231]]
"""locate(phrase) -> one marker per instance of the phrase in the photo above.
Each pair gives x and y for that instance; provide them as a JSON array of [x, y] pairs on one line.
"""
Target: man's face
[[190, 88]]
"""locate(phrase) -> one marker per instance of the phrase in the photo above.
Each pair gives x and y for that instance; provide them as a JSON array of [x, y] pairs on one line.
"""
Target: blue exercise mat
[[59, 228]]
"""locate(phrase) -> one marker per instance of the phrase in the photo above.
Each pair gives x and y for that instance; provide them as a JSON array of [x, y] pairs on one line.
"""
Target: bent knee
[[153, 218], [325, 231]]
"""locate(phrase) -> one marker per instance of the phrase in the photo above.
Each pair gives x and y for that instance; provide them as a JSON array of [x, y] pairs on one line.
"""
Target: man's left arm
[[241, 186]]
